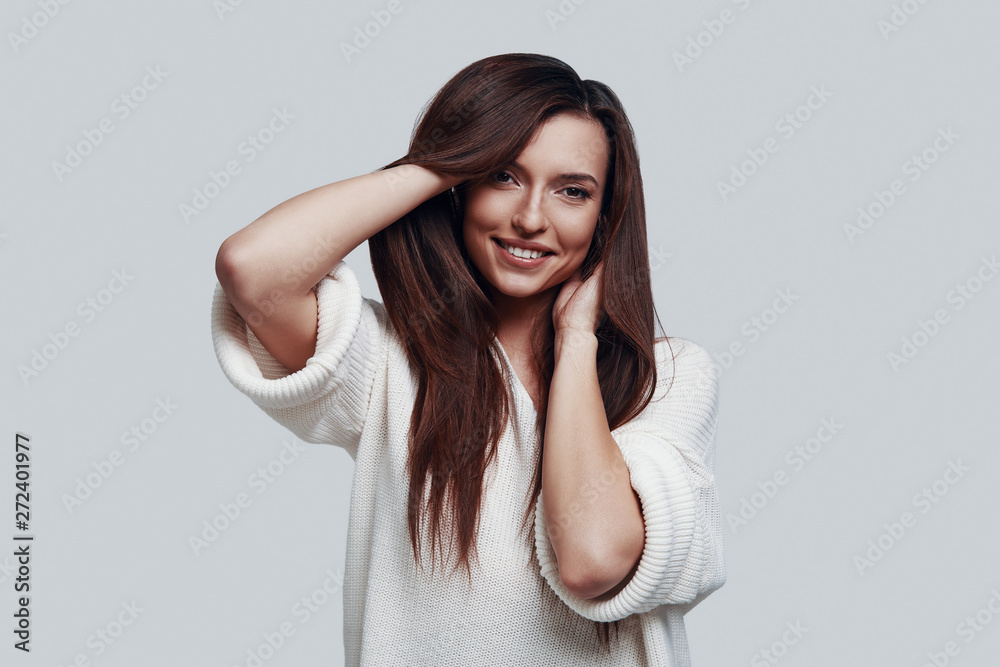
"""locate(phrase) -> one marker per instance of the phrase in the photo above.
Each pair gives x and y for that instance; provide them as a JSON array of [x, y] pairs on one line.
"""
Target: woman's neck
[[520, 317]]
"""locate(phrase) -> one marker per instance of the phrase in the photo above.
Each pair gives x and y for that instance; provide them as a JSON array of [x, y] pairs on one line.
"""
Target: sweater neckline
[[518, 387]]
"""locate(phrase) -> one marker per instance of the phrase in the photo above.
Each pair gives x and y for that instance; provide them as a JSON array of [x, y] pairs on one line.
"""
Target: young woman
[[514, 361]]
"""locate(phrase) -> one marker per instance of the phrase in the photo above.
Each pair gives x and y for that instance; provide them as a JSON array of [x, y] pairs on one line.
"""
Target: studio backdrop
[[821, 195]]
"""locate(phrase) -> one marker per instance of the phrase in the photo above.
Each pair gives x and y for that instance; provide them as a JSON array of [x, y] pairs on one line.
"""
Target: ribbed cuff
[[256, 373], [671, 562]]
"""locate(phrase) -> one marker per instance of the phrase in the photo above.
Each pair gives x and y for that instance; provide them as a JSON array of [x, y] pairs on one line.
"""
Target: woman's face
[[548, 199]]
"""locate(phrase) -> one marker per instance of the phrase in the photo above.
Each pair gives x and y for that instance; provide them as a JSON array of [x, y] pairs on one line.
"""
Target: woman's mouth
[[520, 257]]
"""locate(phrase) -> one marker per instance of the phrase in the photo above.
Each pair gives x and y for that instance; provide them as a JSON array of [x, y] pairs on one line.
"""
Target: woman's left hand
[[579, 304]]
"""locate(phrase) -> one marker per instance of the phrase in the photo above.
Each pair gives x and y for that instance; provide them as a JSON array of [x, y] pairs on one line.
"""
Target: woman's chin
[[519, 290]]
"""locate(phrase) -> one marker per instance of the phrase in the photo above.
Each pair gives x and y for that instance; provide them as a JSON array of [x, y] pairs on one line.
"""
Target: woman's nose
[[529, 216]]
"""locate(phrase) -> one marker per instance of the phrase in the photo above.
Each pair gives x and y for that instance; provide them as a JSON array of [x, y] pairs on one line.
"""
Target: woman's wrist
[[431, 182], [445, 181], [576, 342]]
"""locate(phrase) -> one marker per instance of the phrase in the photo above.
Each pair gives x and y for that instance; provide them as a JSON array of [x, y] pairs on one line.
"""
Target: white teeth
[[521, 252]]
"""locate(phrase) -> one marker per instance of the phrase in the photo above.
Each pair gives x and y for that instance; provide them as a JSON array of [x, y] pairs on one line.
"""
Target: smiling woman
[[532, 419], [536, 215]]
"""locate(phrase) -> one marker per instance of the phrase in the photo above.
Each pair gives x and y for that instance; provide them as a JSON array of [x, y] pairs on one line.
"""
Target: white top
[[357, 392]]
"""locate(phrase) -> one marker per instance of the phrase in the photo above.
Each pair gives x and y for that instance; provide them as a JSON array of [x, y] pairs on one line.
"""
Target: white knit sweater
[[357, 392]]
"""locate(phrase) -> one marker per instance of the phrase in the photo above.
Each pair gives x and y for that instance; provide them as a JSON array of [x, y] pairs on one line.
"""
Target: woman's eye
[[576, 193], [502, 177]]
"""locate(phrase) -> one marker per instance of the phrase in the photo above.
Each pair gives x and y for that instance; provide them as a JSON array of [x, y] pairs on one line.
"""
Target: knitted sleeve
[[327, 400], [669, 449]]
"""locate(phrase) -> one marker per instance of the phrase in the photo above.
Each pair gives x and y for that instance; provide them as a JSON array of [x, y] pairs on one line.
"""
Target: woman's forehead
[[567, 143]]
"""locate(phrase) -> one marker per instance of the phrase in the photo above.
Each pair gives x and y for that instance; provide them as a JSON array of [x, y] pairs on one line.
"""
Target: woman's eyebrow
[[580, 176]]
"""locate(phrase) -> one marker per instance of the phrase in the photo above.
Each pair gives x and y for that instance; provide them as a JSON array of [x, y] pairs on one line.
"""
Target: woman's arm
[[268, 269], [593, 513], [669, 454]]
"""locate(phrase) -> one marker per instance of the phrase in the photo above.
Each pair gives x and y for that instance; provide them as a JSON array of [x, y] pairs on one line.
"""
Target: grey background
[[718, 264]]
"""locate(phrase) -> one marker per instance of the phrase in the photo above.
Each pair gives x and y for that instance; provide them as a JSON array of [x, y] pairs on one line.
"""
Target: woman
[[509, 245]]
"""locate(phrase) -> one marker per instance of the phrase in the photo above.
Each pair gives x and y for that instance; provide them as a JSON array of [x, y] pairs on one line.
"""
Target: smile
[[521, 253]]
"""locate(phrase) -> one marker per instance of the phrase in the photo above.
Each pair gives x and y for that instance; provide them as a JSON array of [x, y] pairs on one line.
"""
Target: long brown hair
[[438, 302]]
